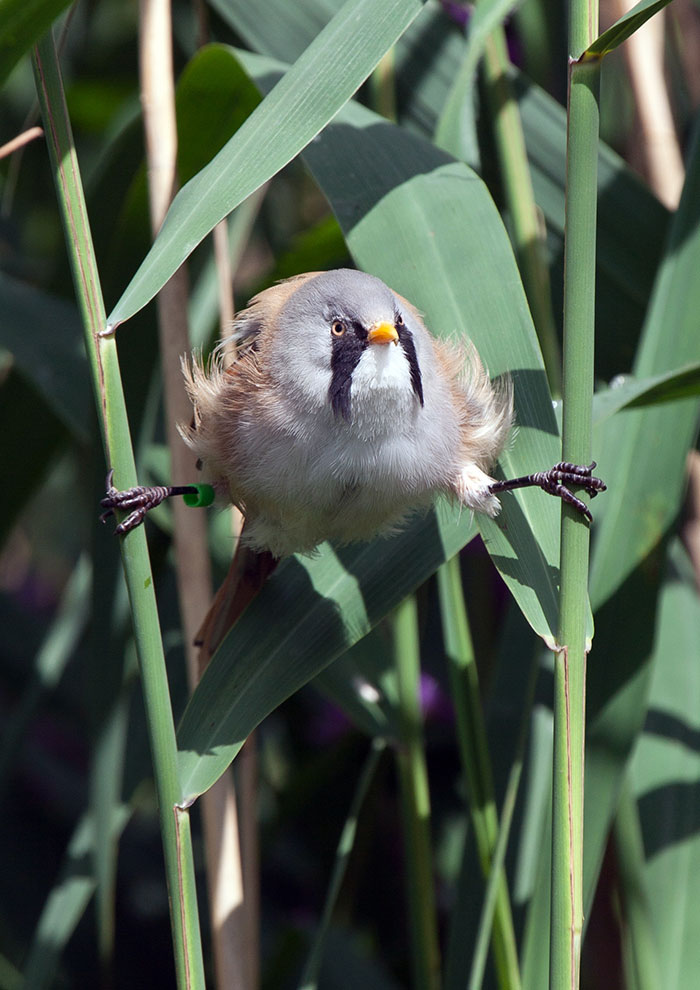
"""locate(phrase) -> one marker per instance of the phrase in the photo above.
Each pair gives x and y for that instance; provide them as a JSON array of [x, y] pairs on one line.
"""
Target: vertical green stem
[[520, 199], [415, 798], [570, 661], [474, 755], [104, 365]]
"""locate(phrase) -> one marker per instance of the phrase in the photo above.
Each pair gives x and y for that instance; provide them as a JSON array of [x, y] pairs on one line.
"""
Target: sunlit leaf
[[303, 102]]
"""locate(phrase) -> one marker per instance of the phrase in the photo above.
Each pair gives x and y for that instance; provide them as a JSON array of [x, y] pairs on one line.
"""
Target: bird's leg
[[555, 481], [137, 501]]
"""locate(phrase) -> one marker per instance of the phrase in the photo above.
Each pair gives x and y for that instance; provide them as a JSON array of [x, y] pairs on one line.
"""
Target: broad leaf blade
[[631, 221], [321, 606], [450, 278]]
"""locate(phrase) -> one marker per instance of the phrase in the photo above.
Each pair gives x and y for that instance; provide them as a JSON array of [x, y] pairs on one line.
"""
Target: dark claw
[[578, 474], [558, 477], [555, 480], [139, 500]]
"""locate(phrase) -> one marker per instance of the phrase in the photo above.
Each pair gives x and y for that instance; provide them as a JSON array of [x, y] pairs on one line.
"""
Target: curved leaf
[[309, 95], [629, 392], [430, 229], [624, 27], [321, 606]]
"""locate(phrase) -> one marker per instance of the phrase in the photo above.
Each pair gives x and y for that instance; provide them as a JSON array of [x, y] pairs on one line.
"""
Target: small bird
[[331, 413]]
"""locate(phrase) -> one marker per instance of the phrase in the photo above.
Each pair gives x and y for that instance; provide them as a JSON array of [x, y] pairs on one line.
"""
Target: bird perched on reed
[[333, 414]]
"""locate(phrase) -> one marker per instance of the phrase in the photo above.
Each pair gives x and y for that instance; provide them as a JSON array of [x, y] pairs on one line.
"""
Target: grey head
[[327, 326]]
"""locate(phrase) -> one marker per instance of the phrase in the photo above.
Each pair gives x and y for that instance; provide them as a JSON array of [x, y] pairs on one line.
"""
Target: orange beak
[[382, 333]]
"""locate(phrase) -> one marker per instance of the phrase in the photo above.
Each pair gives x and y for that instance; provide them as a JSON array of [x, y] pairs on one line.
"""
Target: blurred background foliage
[[69, 697]]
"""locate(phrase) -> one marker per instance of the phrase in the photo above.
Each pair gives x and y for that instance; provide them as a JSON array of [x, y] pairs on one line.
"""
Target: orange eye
[[337, 328]]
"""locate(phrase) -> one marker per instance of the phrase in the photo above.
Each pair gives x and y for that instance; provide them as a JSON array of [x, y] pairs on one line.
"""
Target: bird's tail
[[247, 574]]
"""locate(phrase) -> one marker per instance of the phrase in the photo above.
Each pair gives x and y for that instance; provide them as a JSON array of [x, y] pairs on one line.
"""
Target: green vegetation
[[419, 802]]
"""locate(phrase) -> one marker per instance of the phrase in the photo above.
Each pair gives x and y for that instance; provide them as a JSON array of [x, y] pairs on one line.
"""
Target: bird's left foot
[[137, 501], [555, 482]]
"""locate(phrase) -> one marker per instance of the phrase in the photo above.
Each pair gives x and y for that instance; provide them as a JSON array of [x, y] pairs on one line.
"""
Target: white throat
[[382, 393]]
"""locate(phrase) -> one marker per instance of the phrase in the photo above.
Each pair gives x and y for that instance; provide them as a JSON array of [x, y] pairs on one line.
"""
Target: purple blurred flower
[[461, 13], [434, 702], [458, 12]]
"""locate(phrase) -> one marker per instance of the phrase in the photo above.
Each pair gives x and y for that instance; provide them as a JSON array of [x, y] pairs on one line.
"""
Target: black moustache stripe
[[346, 353], [409, 349]]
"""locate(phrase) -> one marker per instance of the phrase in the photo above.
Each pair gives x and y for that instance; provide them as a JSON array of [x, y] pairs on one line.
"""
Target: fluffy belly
[[334, 481], [358, 516]]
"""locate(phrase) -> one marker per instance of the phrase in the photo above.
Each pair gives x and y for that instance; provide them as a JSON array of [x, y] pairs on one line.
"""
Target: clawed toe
[[555, 481], [578, 474], [137, 501]]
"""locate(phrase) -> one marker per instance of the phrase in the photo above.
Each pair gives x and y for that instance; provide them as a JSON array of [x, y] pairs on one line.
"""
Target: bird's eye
[[337, 328], [399, 320]]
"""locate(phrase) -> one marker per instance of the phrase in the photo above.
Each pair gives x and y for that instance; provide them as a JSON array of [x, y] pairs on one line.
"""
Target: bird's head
[[343, 338]]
